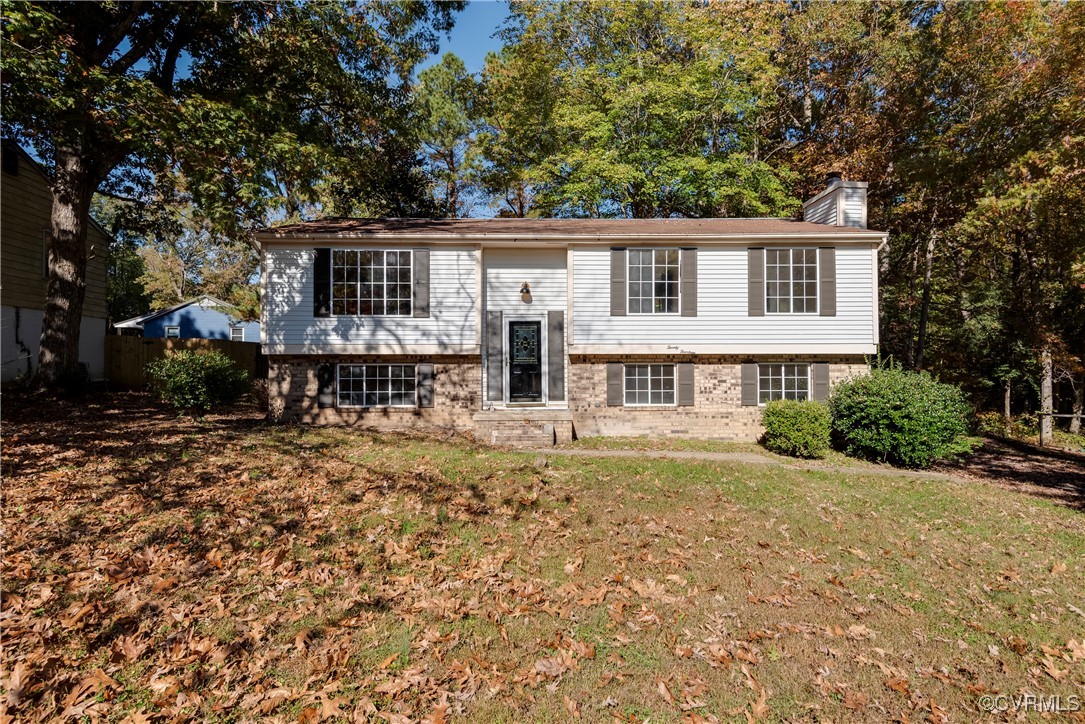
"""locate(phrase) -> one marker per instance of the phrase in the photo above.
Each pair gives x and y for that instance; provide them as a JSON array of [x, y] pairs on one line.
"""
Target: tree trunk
[[1006, 413], [72, 191], [1047, 373], [925, 304], [1079, 403]]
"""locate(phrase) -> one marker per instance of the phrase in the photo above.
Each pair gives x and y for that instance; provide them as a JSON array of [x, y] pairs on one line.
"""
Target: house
[[26, 204], [530, 330], [204, 317]]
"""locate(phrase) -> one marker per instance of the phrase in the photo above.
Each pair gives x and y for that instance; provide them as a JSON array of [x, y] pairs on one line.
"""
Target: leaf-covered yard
[[161, 568]]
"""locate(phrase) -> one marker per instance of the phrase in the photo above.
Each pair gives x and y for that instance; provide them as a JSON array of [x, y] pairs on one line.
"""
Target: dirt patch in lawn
[[1052, 474], [166, 568]]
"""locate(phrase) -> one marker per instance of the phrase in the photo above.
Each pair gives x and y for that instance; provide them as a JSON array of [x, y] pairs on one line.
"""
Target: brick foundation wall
[[717, 412], [457, 390]]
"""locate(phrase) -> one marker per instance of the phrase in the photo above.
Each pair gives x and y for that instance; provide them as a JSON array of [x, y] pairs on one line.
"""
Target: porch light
[[525, 293]]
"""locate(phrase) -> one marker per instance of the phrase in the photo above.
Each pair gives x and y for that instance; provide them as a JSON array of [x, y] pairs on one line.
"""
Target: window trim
[[331, 281], [654, 405], [237, 328], [791, 288], [166, 331], [338, 376], [809, 380], [629, 281]]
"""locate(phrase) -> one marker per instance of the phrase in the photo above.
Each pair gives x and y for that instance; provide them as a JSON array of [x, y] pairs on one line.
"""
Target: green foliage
[[900, 417], [644, 113], [446, 104], [198, 380], [799, 429]]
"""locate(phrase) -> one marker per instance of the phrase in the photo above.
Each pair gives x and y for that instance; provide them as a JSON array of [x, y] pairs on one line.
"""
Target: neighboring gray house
[[531, 330], [204, 317]]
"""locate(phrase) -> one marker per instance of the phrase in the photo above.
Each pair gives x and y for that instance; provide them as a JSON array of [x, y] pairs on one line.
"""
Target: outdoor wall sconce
[[525, 293]]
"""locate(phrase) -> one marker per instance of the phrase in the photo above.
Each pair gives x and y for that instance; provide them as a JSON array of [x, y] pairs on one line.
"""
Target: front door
[[525, 362]]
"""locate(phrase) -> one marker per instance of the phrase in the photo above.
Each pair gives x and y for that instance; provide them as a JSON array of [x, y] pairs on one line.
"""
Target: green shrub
[[800, 429], [900, 417], [198, 381]]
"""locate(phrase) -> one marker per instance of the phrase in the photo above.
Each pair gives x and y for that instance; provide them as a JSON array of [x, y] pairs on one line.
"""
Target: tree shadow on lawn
[[1056, 475]]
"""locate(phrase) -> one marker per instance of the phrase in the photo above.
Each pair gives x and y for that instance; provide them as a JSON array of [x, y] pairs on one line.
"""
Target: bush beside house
[[198, 381], [800, 429], [900, 417]]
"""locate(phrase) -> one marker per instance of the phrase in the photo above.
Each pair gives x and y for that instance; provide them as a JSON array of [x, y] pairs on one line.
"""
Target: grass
[[401, 575]]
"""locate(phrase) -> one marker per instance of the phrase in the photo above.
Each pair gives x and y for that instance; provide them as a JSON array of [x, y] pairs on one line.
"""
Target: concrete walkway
[[742, 457]]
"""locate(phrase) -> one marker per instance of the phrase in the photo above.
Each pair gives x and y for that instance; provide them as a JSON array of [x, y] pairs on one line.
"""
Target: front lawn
[[228, 569]]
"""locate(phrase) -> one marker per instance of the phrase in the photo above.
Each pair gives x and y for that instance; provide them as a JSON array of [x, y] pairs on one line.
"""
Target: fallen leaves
[[169, 570]]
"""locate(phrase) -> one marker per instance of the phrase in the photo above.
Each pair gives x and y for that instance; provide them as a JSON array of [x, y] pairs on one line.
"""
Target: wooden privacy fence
[[126, 357]]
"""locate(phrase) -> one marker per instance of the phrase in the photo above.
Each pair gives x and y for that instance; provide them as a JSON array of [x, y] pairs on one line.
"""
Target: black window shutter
[[749, 384], [420, 283], [619, 271], [827, 281], [495, 358], [821, 381], [689, 282], [685, 384], [425, 385], [322, 283], [756, 272], [614, 384], [555, 361], [325, 379]]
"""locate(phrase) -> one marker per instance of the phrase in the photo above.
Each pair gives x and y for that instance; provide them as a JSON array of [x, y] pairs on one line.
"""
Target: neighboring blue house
[[202, 318]]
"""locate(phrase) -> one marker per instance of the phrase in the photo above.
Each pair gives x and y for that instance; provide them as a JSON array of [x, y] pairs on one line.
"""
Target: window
[[783, 382], [376, 386], [173, 332], [791, 281], [371, 282], [237, 334], [649, 384], [653, 281]]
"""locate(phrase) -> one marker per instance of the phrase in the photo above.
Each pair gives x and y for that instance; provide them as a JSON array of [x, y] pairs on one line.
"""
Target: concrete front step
[[524, 427]]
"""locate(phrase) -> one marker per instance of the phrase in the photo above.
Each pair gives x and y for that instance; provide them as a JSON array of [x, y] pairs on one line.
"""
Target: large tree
[[655, 110], [243, 105]]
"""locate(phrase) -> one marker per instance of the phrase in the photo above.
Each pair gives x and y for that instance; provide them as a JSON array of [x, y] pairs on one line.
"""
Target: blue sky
[[472, 37]]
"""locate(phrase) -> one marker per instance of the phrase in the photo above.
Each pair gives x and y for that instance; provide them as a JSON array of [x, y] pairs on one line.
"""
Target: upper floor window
[[371, 282], [653, 281], [173, 332], [783, 382], [237, 334], [791, 281]]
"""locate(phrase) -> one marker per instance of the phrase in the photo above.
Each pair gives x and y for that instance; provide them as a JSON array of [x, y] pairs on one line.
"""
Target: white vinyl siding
[[651, 384], [291, 328], [783, 382], [722, 323], [542, 269], [855, 207], [823, 211]]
